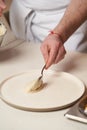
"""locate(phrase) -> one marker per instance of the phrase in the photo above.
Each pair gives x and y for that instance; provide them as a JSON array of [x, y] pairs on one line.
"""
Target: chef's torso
[[45, 4], [32, 20]]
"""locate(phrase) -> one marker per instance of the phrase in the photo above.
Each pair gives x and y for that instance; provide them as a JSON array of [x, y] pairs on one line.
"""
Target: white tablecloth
[[28, 56]]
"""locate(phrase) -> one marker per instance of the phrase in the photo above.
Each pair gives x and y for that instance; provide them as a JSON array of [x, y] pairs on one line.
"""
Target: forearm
[[75, 15]]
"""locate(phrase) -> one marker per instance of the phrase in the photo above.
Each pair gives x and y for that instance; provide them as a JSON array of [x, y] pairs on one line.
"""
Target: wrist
[[52, 32]]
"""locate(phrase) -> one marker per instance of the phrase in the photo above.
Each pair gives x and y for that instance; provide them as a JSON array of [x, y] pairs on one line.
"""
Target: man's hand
[[2, 6], [52, 49]]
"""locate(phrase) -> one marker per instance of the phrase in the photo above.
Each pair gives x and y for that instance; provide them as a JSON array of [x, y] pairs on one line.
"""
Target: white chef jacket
[[32, 20]]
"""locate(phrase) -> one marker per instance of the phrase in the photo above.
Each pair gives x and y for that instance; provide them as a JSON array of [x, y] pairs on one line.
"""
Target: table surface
[[28, 56]]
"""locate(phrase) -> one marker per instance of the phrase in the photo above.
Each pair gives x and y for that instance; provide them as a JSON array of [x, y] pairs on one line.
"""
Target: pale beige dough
[[2, 29], [34, 85]]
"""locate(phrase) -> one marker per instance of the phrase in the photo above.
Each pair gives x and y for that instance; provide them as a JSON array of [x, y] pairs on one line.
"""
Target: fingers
[[60, 55], [2, 6], [51, 57], [49, 53], [45, 52], [53, 50], [52, 54], [55, 56]]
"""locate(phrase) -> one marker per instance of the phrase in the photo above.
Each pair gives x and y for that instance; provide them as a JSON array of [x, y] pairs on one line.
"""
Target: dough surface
[[35, 85], [2, 29]]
